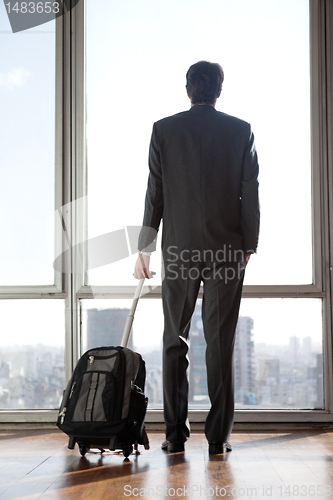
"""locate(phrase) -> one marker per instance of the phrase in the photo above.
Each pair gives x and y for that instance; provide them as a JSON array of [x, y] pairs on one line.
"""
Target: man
[[203, 184]]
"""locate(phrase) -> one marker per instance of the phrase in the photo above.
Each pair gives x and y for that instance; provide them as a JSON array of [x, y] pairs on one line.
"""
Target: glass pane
[[32, 363], [137, 58], [27, 97], [277, 358]]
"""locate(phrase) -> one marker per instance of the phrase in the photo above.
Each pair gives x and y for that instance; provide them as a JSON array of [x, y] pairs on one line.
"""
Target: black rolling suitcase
[[104, 405]]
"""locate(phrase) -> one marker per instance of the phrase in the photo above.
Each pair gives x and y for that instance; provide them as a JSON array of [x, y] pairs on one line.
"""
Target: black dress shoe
[[216, 447], [172, 447]]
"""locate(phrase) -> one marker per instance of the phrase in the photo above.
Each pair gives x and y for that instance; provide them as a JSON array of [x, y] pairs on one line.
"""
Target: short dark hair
[[204, 82]]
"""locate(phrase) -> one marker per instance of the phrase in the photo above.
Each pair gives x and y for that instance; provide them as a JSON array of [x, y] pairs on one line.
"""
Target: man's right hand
[[142, 267]]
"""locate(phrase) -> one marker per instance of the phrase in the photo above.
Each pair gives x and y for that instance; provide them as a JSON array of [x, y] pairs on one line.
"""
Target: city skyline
[[266, 376]]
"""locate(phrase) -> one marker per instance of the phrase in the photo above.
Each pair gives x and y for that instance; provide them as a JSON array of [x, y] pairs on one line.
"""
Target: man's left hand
[[247, 257]]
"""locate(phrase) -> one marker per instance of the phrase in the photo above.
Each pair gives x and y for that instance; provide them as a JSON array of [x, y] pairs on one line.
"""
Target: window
[[27, 191], [79, 98], [277, 358], [32, 345], [32, 357], [132, 82], [136, 65]]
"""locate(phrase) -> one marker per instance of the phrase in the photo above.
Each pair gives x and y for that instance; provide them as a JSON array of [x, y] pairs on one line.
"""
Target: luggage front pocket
[[90, 403]]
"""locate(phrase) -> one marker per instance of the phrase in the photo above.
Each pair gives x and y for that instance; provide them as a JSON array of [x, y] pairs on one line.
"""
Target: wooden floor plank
[[37, 465]]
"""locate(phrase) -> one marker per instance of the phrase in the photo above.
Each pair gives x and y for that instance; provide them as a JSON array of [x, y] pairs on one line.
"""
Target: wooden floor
[[296, 464]]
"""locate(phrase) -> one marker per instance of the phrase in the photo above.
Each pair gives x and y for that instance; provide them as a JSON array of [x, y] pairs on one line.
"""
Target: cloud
[[16, 77]]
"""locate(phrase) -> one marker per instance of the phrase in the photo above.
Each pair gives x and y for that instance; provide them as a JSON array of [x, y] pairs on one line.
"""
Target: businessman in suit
[[203, 184]]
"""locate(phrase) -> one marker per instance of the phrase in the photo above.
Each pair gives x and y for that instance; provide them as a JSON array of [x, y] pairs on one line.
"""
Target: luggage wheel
[[83, 449], [71, 443], [127, 450]]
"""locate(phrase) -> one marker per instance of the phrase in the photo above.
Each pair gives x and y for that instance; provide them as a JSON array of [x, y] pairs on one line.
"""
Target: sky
[[137, 57]]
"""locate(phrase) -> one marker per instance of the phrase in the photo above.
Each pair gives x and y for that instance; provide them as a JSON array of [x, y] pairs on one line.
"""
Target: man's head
[[204, 82]]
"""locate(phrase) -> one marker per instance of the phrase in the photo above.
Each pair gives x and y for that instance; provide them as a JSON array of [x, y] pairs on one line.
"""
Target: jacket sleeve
[[250, 211], [154, 198]]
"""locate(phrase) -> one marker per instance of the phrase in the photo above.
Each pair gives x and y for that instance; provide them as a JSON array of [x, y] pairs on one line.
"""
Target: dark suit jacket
[[203, 184]]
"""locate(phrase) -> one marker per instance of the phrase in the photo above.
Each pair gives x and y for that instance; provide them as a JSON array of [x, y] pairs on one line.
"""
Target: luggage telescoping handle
[[129, 322]]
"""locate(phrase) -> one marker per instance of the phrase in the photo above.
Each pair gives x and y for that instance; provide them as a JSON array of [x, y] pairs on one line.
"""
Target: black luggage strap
[[91, 396]]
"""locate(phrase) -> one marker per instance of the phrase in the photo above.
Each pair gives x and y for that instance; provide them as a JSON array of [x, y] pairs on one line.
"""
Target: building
[[105, 327], [197, 368], [244, 362]]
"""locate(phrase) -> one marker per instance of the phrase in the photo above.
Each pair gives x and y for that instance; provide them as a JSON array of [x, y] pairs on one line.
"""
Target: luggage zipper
[[92, 358], [136, 388], [104, 357], [62, 415], [72, 390]]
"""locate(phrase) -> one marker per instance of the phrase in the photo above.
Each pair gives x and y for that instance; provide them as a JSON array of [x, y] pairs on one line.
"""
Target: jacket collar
[[201, 107]]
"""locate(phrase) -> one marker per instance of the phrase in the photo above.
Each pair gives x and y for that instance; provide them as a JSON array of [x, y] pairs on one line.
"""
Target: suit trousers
[[222, 290]]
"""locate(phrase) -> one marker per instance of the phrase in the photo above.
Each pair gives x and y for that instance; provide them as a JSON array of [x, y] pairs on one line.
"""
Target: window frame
[[71, 191]]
